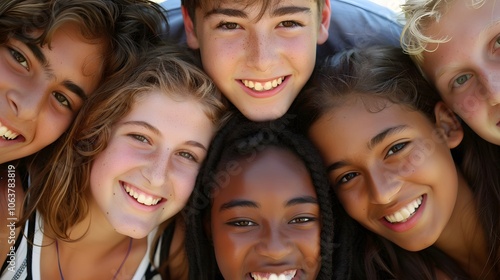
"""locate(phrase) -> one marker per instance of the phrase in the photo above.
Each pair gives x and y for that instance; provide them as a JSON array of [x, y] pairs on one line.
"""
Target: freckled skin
[[466, 69], [236, 48]]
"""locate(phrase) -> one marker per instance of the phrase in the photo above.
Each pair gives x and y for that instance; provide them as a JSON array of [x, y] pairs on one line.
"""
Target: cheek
[[227, 252], [353, 203], [467, 106], [50, 128]]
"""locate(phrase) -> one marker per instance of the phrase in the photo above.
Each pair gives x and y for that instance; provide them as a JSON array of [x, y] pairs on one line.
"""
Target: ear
[[324, 23], [191, 38], [449, 125]]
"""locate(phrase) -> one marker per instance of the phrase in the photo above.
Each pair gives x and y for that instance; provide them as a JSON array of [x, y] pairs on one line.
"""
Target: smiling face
[[147, 172], [466, 69], [266, 220], [392, 170], [259, 64], [41, 89]]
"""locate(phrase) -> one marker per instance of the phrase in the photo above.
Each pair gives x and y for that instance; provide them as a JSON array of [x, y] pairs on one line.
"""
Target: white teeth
[[6, 133], [287, 275], [404, 213], [258, 86], [141, 197]]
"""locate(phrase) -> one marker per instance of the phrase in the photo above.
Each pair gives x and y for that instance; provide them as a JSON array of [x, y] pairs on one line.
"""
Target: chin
[[265, 114], [136, 232]]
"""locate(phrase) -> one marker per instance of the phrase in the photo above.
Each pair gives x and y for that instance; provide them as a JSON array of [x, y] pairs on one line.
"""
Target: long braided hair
[[238, 138]]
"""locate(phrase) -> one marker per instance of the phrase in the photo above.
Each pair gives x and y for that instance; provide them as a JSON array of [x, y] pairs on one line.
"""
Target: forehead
[[264, 5], [276, 167], [463, 37]]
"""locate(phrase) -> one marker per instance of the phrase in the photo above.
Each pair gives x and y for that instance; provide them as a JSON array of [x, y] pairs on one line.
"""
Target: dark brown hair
[[387, 73]]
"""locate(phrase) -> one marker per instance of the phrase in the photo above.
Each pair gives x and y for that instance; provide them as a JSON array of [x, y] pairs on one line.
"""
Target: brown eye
[[19, 58], [228, 25], [396, 148], [61, 99], [349, 176], [289, 23]]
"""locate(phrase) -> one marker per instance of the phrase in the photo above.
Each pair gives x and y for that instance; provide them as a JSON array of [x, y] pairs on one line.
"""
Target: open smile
[[286, 275], [403, 214], [141, 197], [6, 133], [261, 86]]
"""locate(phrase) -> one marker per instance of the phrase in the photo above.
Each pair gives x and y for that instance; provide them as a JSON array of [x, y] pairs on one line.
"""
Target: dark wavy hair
[[390, 74], [126, 26], [235, 140]]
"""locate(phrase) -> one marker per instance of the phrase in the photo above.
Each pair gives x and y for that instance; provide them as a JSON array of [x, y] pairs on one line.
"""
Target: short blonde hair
[[419, 14]]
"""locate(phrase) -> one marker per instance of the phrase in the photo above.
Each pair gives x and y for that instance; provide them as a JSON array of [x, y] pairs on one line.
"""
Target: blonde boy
[[456, 45]]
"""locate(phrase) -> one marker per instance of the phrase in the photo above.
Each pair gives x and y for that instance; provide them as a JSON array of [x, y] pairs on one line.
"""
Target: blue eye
[[497, 43], [461, 80]]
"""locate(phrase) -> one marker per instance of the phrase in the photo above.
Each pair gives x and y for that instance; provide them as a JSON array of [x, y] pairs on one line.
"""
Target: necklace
[[114, 276]]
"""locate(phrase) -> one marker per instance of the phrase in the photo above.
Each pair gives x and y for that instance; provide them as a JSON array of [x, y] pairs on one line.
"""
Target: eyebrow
[[157, 132], [238, 203], [247, 203], [377, 139], [289, 10], [70, 85], [382, 135], [281, 11], [143, 124], [301, 200], [196, 144]]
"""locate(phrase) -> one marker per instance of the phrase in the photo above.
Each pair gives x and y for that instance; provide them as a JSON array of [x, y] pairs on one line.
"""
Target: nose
[[273, 244], [492, 82], [384, 185], [155, 169], [261, 51], [26, 103]]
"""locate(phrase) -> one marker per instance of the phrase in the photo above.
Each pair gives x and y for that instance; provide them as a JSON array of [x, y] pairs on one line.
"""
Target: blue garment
[[354, 23]]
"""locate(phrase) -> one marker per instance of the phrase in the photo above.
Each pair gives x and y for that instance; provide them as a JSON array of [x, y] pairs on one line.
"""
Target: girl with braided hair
[[261, 208]]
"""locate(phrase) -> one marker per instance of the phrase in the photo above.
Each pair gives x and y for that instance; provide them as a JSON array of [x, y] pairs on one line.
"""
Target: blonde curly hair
[[419, 14]]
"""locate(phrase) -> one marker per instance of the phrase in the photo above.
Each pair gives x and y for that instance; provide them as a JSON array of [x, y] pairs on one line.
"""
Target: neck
[[463, 238], [96, 251]]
